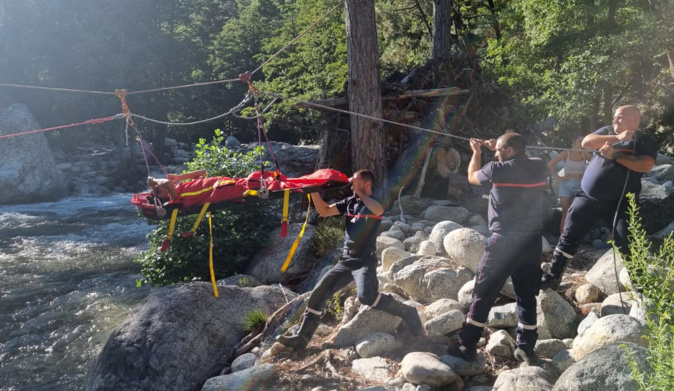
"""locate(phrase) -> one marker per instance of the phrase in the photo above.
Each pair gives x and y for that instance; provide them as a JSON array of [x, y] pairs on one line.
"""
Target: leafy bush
[[654, 275], [255, 320], [237, 231], [329, 234]]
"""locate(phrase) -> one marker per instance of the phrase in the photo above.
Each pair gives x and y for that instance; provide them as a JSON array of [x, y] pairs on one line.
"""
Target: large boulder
[[28, 171], [170, 340], [465, 246], [430, 278], [266, 263], [525, 378], [426, 368], [242, 380], [607, 330], [367, 321], [556, 318], [606, 369], [440, 230], [458, 214], [602, 275]]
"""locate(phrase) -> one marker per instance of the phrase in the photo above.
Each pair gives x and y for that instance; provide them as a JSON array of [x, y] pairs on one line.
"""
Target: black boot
[[307, 329], [405, 312], [558, 266], [462, 352]]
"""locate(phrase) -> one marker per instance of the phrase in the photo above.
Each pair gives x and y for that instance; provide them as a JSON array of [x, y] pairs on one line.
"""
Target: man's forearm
[[595, 141], [372, 204], [473, 168], [634, 163]]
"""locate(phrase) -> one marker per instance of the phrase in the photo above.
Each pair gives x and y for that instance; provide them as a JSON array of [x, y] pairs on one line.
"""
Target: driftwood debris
[[452, 91]]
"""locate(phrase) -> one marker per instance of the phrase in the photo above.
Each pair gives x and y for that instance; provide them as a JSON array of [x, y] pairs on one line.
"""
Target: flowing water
[[66, 281]]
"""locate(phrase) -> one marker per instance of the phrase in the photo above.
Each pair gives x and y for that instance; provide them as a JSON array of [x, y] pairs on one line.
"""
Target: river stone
[[662, 172], [441, 306], [476, 220], [438, 233], [366, 321], [445, 323], [426, 368], [28, 171], [602, 275], [377, 344], [606, 369], [458, 214], [503, 316], [266, 263], [607, 330], [430, 278], [394, 233], [548, 348], [169, 340], [501, 344], [587, 293], [232, 142], [243, 362], [525, 378], [243, 380], [563, 360], [555, 317], [589, 320], [411, 205], [412, 243], [375, 368], [465, 246], [614, 304], [392, 255], [384, 242], [465, 368], [426, 247]]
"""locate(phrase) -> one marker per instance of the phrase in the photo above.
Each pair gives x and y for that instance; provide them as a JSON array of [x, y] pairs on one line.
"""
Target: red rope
[[88, 122]]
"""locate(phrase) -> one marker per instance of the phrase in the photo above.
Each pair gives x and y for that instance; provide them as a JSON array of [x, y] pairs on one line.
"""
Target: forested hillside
[[572, 60]]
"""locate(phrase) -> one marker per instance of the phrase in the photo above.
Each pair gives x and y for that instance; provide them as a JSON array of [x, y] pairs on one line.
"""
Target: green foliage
[[237, 231], [329, 234], [334, 306], [654, 274], [243, 281], [255, 320]]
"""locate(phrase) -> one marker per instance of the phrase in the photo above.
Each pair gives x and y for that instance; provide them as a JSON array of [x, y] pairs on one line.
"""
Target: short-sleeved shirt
[[516, 197], [604, 179], [360, 238]]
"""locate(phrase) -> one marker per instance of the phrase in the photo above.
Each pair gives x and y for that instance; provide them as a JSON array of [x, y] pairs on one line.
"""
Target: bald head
[[626, 118]]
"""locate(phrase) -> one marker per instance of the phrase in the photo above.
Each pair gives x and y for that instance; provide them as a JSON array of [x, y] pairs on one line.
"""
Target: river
[[67, 279]]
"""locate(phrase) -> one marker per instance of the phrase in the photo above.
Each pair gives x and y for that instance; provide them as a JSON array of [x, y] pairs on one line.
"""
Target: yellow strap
[[201, 216], [250, 193], [193, 193], [172, 224], [286, 199], [297, 241], [210, 256]]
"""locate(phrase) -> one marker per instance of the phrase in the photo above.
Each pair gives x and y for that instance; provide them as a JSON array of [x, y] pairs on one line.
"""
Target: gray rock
[[375, 368], [662, 172], [412, 243], [556, 318], [654, 191], [426, 368], [465, 368], [587, 293], [501, 344], [394, 233], [525, 378], [169, 341], [241, 280], [563, 360], [241, 381], [589, 320], [465, 295], [476, 220], [607, 330], [430, 278], [465, 246], [243, 362], [665, 232], [28, 171], [606, 369], [366, 321], [404, 227], [602, 275], [426, 247], [438, 233], [377, 344], [458, 214], [445, 323], [266, 263], [664, 159], [384, 242], [549, 347], [441, 306], [618, 303], [482, 230], [503, 316], [392, 255], [411, 205]]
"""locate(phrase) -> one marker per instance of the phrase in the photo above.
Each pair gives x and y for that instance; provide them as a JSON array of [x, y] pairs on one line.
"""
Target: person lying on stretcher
[[168, 189]]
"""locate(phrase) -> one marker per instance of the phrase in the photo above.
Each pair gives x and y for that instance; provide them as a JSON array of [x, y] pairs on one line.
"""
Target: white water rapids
[[66, 281]]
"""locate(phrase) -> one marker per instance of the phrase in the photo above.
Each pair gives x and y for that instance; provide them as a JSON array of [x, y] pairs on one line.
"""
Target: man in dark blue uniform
[[514, 247], [358, 262], [624, 155]]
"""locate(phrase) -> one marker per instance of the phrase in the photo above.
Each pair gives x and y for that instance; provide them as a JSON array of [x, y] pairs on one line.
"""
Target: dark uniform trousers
[[584, 213], [362, 270], [516, 255]]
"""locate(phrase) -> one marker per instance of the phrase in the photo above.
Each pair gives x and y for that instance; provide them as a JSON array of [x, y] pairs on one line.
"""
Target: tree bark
[[442, 23], [364, 91]]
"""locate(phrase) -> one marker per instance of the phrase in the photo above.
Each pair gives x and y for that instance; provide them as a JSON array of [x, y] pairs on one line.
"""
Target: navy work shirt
[[604, 179], [360, 238], [516, 197]]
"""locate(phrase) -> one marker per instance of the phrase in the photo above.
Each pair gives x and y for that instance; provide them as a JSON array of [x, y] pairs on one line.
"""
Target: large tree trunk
[[367, 137], [442, 23]]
